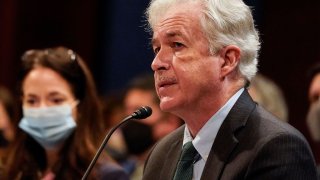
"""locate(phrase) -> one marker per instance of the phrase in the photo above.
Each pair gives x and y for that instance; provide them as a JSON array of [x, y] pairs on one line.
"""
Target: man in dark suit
[[205, 56]]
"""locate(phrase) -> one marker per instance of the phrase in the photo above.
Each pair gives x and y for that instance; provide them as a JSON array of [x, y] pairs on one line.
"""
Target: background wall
[[110, 36]]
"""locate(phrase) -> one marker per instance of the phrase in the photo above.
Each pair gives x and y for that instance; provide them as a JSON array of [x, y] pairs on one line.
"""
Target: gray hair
[[224, 22]]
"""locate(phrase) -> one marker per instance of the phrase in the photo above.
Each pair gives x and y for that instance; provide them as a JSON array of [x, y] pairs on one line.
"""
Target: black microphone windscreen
[[142, 113]]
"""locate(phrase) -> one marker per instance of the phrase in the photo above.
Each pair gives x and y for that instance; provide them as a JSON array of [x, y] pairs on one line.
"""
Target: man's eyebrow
[[168, 34], [173, 33]]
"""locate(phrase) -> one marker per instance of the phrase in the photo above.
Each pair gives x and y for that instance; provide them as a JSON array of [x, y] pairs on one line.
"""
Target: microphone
[[141, 113]]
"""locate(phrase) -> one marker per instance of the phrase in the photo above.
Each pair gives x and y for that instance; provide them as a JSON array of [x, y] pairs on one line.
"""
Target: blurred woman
[[61, 126]]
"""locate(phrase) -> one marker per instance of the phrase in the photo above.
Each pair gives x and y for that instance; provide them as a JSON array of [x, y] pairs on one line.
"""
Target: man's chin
[[167, 105]]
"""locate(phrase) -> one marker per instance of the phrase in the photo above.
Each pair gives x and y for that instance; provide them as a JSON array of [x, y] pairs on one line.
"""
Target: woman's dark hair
[[27, 157], [6, 98]]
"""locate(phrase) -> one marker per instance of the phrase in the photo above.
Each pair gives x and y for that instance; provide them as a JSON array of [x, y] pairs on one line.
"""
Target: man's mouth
[[165, 82]]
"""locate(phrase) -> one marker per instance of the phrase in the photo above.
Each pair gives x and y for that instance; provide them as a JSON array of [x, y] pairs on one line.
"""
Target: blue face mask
[[49, 126]]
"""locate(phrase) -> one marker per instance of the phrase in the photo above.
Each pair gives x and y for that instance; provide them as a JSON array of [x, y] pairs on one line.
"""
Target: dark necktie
[[185, 164]]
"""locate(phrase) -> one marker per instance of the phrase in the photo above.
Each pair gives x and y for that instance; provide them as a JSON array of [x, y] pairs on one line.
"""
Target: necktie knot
[[185, 165], [188, 152]]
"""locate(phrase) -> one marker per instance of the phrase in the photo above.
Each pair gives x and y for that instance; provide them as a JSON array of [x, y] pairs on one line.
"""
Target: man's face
[[185, 72]]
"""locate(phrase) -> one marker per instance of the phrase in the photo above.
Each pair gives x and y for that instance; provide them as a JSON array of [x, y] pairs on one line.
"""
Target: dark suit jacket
[[251, 144]]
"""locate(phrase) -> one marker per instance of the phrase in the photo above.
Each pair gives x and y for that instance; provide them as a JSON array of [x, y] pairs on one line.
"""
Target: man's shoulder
[[272, 124], [263, 128], [260, 142]]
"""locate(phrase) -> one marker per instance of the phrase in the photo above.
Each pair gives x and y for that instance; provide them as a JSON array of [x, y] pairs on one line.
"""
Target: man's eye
[[156, 50], [177, 45]]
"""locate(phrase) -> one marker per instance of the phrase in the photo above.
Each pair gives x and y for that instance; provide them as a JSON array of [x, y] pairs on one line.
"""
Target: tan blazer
[[251, 144]]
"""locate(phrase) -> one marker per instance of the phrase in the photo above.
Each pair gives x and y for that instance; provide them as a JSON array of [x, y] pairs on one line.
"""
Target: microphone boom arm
[[141, 113]]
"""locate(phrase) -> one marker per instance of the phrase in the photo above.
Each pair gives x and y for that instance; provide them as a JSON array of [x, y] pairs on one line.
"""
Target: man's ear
[[231, 57]]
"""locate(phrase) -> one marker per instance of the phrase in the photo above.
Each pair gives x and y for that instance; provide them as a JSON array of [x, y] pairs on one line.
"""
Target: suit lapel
[[172, 158], [226, 139]]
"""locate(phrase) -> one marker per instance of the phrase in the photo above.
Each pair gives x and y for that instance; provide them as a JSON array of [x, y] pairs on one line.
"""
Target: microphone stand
[[105, 140]]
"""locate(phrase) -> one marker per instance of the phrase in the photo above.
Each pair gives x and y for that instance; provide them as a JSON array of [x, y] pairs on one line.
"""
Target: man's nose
[[162, 60]]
